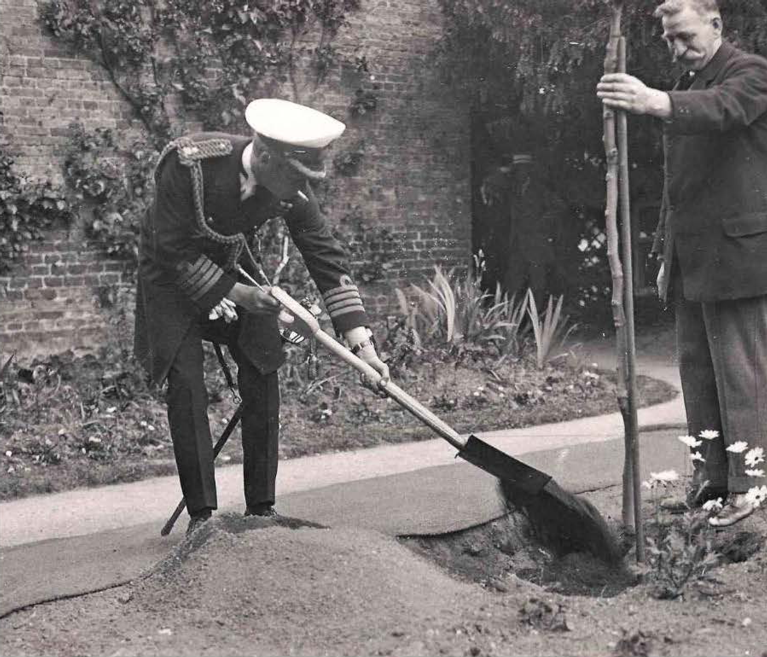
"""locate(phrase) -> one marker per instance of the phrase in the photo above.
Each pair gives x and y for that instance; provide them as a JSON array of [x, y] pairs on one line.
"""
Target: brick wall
[[54, 301], [413, 179]]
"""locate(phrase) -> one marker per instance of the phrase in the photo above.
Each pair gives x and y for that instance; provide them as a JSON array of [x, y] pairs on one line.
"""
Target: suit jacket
[[713, 220], [186, 269]]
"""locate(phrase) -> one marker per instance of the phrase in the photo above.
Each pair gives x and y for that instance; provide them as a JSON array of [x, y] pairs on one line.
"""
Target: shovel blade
[[517, 474], [563, 522]]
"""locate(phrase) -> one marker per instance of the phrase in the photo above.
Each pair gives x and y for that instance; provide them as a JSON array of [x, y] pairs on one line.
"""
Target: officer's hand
[[254, 300], [661, 280], [625, 92], [370, 356], [296, 324]]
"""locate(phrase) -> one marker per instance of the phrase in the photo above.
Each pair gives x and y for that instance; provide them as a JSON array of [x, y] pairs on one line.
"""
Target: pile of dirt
[[244, 586]]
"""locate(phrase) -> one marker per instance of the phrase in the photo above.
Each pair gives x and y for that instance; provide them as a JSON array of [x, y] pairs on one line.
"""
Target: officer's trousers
[[188, 418], [722, 347]]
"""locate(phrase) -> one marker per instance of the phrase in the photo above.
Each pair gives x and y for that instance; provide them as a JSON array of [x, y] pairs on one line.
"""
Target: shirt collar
[[248, 181], [245, 160], [710, 70]]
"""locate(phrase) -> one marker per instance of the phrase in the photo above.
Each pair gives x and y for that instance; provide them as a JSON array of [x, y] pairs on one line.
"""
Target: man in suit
[[535, 258], [712, 243], [212, 191], [528, 232]]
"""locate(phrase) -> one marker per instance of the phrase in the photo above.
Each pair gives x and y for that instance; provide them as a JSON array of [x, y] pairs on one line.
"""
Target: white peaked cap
[[291, 123]]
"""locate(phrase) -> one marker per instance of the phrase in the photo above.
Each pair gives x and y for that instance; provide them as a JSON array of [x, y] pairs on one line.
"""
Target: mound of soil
[[244, 586]]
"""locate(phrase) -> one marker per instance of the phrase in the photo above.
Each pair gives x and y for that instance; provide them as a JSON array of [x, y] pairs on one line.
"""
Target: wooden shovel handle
[[392, 390]]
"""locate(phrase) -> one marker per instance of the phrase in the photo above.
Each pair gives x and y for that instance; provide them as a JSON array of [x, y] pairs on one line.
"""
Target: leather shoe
[[197, 519], [737, 508], [265, 510]]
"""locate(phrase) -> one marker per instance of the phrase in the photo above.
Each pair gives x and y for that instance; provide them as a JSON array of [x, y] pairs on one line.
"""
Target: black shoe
[[699, 496], [265, 510], [197, 519]]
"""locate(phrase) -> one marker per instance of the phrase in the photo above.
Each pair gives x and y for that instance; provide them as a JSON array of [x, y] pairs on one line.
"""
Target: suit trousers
[[722, 347], [187, 401]]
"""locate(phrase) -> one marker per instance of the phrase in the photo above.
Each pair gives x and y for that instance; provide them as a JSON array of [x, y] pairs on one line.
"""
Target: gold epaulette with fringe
[[190, 151], [190, 154]]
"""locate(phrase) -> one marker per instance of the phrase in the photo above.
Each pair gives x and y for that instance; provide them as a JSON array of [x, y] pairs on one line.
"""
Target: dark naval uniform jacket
[[713, 220], [192, 237]]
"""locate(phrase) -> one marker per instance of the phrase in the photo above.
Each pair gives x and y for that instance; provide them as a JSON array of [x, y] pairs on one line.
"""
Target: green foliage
[[681, 549], [511, 314], [364, 101], [365, 98], [214, 54], [123, 37], [550, 329], [455, 311], [270, 246], [74, 421], [27, 208], [401, 348], [680, 553], [78, 415], [113, 184], [530, 67], [6, 384], [347, 163]]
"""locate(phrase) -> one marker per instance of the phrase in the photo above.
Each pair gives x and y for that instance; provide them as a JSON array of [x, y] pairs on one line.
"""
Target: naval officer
[[212, 191]]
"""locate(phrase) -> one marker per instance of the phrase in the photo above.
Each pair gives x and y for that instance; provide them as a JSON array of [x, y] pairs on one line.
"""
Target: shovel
[[563, 521]]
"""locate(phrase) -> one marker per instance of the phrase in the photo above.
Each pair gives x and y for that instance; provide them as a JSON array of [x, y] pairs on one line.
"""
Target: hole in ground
[[491, 553], [488, 554]]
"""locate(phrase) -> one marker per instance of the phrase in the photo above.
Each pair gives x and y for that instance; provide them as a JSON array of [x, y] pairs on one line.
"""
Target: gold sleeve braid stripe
[[198, 277], [342, 300]]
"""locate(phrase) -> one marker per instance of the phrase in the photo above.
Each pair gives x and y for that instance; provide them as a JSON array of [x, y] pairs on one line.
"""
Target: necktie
[[685, 82]]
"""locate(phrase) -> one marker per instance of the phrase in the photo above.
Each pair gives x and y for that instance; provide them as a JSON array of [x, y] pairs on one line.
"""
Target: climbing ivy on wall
[[112, 186], [27, 209], [214, 55], [180, 60]]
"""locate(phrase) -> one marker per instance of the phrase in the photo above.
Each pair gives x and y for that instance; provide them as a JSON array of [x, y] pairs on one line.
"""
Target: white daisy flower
[[757, 495], [665, 476], [713, 505], [755, 473], [738, 447], [690, 441], [754, 456], [697, 456], [709, 434]]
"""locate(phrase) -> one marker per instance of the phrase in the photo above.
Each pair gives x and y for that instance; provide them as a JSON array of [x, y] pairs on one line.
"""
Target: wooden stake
[[617, 182], [630, 420]]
